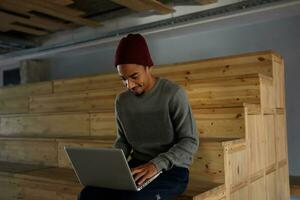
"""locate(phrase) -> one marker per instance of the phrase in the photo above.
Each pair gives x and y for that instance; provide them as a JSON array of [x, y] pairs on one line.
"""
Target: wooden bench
[[238, 102]]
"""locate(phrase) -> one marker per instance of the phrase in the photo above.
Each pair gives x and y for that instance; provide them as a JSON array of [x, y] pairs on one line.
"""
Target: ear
[[148, 69]]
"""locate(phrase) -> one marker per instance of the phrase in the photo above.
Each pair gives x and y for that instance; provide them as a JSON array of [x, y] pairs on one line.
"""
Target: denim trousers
[[166, 186]]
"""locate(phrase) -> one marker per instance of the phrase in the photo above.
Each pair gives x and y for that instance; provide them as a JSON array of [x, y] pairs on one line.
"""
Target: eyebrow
[[135, 73]]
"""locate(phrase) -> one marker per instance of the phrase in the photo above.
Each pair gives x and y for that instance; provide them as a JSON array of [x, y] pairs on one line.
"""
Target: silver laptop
[[103, 167]]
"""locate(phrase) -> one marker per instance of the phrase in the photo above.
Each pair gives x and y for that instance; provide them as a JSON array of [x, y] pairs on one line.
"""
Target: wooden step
[[31, 179], [208, 161], [218, 122]]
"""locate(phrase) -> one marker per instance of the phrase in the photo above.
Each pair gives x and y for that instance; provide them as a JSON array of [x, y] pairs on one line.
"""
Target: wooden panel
[[25, 29], [103, 124], [208, 162], [267, 92], [257, 190], [9, 189], [260, 62], [100, 81], [49, 5], [224, 123], [63, 124], [281, 137], [236, 165], [14, 105], [34, 190], [85, 101], [241, 194], [37, 151], [211, 123], [63, 160], [256, 138], [26, 90], [283, 189], [144, 5], [279, 81], [202, 69], [271, 186], [60, 12], [224, 92], [269, 132]]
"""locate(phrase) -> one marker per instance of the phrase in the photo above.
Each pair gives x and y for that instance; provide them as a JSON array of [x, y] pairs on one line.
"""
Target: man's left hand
[[143, 172]]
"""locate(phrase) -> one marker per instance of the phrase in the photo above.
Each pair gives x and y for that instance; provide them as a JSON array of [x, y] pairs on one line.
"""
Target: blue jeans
[[166, 186]]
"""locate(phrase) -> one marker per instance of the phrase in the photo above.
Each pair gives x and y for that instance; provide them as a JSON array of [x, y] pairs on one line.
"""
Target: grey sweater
[[157, 126]]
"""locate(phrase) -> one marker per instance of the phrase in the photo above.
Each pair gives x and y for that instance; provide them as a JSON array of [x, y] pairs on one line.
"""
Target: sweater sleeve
[[121, 141], [186, 134]]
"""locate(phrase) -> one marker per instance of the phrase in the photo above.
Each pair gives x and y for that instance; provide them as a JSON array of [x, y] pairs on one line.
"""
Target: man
[[155, 127]]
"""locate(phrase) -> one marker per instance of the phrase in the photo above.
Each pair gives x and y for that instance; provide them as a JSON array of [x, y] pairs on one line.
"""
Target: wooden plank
[[14, 105], [26, 90], [279, 81], [270, 146], [208, 163], [220, 123], [267, 92], [50, 5], [103, 124], [281, 137], [65, 13], [9, 188], [94, 82], [255, 136], [31, 19], [34, 190], [88, 101], [36, 22], [282, 182], [42, 152], [257, 189], [46, 125], [27, 30], [271, 186], [144, 5], [63, 160]]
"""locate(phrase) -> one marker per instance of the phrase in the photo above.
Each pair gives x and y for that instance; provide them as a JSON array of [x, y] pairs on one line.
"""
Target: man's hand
[[143, 172]]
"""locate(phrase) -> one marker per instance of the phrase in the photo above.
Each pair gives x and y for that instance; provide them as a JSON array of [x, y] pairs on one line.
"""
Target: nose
[[130, 84]]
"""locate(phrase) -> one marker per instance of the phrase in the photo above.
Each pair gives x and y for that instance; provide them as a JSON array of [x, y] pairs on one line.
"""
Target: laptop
[[103, 167]]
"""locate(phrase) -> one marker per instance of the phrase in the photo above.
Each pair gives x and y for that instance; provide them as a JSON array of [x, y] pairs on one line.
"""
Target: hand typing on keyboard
[[143, 172]]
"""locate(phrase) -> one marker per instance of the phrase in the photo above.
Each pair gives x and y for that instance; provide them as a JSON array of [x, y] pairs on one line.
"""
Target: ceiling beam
[[144, 5], [33, 21], [52, 9], [206, 2], [23, 29]]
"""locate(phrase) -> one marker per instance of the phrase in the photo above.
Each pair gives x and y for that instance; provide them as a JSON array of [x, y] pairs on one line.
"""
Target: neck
[[151, 83]]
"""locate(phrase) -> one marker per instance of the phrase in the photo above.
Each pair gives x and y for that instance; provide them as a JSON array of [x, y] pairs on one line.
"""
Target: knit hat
[[133, 49]]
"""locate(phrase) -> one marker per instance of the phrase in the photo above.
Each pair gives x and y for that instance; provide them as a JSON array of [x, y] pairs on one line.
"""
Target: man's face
[[134, 77]]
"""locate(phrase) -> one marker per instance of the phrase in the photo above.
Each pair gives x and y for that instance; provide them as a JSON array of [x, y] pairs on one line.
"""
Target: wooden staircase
[[239, 106]]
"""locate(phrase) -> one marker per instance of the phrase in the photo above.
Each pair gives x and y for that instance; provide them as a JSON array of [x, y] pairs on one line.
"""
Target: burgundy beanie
[[133, 49]]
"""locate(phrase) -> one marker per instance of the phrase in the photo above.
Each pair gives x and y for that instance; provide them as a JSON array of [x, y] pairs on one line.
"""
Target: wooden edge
[[40, 114], [266, 78], [254, 109], [95, 139], [259, 53], [215, 194], [234, 144]]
